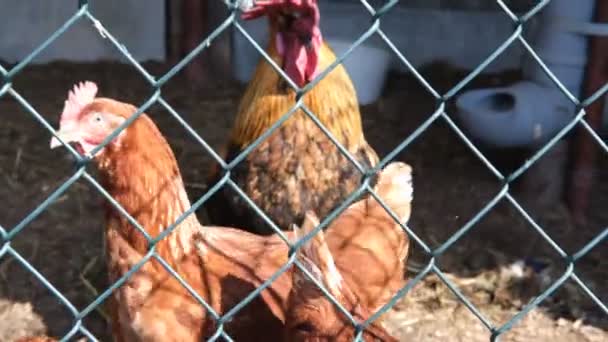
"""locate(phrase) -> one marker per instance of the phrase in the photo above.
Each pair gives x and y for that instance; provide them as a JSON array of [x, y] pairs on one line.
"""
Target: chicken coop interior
[[497, 106]]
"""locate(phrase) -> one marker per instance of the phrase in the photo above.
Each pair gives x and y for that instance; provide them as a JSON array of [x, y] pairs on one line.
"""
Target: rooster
[[297, 168]]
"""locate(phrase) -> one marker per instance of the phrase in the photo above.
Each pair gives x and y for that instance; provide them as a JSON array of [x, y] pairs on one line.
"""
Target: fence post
[[584, 147]]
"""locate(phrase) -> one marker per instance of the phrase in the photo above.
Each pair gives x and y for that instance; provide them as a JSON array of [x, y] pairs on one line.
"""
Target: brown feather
[[310, 308], [298, 167], [222, 265], [333, 100], [37, 339]]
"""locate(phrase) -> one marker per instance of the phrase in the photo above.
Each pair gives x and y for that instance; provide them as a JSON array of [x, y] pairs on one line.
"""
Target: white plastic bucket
[[367, 67], [519, 115]]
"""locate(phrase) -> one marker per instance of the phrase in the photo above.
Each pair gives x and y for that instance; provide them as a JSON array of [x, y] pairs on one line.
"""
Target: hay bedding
[[65, 242]]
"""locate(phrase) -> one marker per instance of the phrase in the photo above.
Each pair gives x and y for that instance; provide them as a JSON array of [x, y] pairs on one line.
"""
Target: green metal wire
[[83, 12]]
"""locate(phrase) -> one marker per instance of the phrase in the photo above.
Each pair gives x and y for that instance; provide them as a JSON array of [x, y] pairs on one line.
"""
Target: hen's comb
[[79, 97]]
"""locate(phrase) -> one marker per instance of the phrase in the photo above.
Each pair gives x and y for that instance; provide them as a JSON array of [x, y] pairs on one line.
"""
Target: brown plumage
[[360, 260], [366, 237], [297, 168], [370, 248], [44, 338], [311, 316], [37, 339], [222, 265]]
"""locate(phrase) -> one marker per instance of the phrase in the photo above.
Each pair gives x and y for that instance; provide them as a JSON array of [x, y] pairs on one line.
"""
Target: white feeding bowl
[[523, 114], [367, 67]]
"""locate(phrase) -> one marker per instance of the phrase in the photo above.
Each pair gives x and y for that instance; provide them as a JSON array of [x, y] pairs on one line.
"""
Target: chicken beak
[[66, 135]]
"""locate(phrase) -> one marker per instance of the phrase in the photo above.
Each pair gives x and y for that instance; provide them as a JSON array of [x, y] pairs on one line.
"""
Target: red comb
[[79, 97]]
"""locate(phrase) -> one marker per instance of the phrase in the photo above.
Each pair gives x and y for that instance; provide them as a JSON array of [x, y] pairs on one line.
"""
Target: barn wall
[[446, 36], [139, 25], [483, 5]]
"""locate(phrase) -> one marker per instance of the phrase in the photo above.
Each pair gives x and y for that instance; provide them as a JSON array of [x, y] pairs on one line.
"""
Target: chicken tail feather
[[394, 187]]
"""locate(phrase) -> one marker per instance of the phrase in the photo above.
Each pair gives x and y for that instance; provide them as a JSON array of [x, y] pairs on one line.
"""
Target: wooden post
[[584, 148], [194, 27], [173, 34]]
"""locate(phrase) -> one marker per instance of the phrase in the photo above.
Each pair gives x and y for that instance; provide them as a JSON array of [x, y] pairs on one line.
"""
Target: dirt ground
[[500, 265]]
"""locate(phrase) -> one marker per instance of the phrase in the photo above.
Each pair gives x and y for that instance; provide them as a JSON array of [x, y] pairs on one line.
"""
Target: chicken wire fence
[[82, 12]]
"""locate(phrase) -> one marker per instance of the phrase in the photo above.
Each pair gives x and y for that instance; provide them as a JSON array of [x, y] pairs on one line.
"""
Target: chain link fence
[[83, 13]]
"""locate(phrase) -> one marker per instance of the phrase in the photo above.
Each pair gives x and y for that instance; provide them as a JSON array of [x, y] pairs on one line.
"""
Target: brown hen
[[222, 265], [311, 316], [366, 237]]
